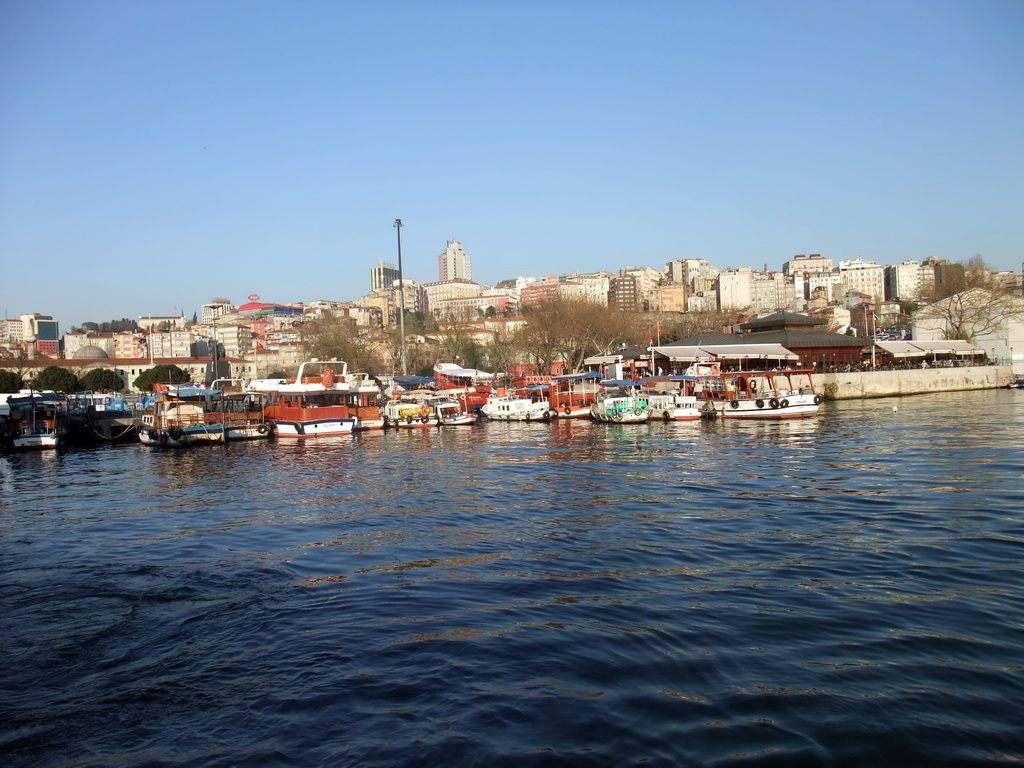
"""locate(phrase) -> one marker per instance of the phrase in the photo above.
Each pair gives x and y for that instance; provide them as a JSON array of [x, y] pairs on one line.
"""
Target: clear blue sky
[[154, 155]]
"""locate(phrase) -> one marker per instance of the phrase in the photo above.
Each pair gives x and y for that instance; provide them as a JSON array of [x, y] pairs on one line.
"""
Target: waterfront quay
[[911, 381]]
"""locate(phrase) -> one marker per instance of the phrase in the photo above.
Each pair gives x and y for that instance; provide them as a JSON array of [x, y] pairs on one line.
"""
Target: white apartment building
[[215, 309], [445, 290], [770, 292], [823, 286], [903, 281], [696, 274], [590, 286], [170, 343], [734, 288], [867, 277], [799, 265], [12, 331], [454, 264], [236, 340]]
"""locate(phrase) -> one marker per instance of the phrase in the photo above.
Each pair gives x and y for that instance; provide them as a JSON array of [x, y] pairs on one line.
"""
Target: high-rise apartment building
[[383, 276], [454, 264]]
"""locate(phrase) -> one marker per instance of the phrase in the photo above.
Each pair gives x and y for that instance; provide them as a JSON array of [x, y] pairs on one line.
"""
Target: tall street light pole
[[401, 296]]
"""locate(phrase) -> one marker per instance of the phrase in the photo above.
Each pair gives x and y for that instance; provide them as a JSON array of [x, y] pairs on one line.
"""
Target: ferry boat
[[674, 398], [182, 415], [785, 394], [471, 385], [36, 421], [323, 400], [573, 395], [621, 402]]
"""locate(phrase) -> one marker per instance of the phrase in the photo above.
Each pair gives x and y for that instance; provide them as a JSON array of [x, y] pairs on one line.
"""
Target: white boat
[[515, 408], [451, 412], [323, 400], [621, 402], [674, 398], [774, 395], [184, 415], [37, 420]]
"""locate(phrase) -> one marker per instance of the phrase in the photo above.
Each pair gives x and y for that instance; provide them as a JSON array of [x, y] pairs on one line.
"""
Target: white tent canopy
[[726, 352], [922, 348]]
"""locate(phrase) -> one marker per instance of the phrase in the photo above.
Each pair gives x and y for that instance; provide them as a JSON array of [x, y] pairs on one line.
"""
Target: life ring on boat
[[163, 439], [261, 429], [175, 434], [784, 404], [567, 410], [149, 410], [759, 403], [773, 403], [734, 403], [818, 399]]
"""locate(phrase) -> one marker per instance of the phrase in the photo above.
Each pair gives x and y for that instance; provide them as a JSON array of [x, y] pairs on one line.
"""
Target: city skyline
[[153, 156]]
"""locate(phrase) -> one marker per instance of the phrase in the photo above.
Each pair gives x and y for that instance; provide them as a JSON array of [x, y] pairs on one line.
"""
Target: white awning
[[727, 352], [751, 352], [952, 346], [899, 348], [922, 348], [682, 354]]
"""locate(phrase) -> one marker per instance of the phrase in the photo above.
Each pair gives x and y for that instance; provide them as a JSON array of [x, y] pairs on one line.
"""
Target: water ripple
[[837, 592]]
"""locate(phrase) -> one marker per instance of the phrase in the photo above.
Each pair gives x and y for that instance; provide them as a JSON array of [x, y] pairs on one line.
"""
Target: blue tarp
[[412, 382]]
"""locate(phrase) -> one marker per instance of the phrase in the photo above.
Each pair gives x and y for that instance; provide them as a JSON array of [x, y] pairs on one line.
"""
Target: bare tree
[[686, 324], [972, 313], [572, 329], [968, 302]]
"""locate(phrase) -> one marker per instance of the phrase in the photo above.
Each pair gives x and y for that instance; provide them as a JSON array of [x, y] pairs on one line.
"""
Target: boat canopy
[[922, 348], [451, 369], [591, 376], [726, 352], [412, 382], [34, 398], [621, 383]]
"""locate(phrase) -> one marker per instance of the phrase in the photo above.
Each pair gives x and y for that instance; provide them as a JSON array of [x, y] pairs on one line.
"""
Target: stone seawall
[[916, 381]]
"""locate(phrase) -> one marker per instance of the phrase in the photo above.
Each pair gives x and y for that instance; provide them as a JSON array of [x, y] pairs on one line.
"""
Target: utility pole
[[401, 297]]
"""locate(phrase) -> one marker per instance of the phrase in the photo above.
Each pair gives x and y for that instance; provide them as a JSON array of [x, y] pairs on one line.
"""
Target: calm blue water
[[844, 591]]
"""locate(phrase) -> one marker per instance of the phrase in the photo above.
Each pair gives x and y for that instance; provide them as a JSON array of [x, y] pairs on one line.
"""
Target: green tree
[[58, 379], [160, 374], [102, 380], [10, 382]]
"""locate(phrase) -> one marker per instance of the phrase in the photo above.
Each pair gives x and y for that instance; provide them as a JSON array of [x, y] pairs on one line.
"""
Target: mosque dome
[[89, 352]]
